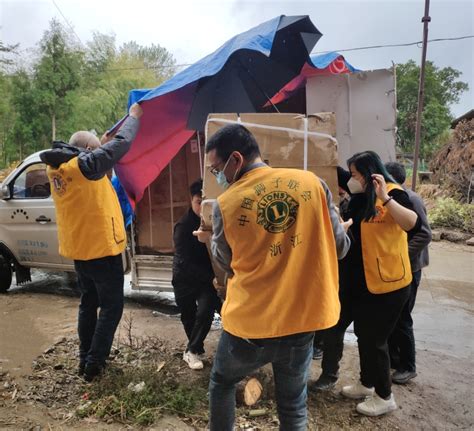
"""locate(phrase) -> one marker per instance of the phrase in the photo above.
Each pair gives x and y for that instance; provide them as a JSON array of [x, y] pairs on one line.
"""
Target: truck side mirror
[[5, 193]]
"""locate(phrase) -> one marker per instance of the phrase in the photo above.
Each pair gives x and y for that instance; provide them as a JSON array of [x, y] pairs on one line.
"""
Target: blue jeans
[[236, 358], [100, 282]]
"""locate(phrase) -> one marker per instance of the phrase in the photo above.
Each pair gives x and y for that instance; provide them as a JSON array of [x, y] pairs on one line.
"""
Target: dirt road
[[34, 317]]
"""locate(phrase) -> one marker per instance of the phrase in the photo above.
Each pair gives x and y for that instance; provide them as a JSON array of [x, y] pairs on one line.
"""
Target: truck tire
[[5, 274]]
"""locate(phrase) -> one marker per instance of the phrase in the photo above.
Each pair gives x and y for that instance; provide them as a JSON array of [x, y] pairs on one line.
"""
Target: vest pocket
[[117, 232], [391, 268]]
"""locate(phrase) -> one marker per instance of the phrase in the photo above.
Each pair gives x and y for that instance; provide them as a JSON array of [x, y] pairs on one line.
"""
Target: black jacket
[[191, 264], [94, 164], [418, 243]]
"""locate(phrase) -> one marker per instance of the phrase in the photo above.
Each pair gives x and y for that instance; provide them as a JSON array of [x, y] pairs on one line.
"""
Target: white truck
[[365, 108]]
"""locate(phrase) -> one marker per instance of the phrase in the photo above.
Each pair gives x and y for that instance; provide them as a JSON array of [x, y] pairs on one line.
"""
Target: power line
[[164, 66], [318, 52], [395, 44], [67, 22]]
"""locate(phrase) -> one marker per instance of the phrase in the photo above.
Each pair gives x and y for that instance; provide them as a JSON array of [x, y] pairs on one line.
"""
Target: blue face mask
[[222, 180]]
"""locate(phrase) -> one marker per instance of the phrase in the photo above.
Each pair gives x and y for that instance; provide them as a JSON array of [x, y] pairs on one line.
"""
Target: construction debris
[[453, 165]]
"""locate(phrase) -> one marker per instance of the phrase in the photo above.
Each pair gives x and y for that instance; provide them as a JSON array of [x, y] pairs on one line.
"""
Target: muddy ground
[[39, 389]]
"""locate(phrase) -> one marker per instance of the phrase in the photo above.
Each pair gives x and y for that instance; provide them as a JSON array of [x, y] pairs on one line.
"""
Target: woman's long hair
[[369, 163]]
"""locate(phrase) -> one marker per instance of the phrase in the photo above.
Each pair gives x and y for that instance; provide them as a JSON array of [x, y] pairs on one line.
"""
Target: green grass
[[110, 397], [450, 213]]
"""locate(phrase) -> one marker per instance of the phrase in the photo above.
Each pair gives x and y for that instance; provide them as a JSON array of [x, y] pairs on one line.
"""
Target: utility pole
[[425, 20]]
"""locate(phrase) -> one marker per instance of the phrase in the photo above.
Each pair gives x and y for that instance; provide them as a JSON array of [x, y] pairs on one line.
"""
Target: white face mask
[[355, 186]]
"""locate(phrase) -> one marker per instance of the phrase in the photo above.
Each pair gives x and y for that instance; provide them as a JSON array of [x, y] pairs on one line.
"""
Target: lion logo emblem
[[277, 211]]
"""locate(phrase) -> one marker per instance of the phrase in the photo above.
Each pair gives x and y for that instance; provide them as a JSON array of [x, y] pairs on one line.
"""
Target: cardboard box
[[279, 148], [206, 212], [165, 201], [365, 105], [284, 148]]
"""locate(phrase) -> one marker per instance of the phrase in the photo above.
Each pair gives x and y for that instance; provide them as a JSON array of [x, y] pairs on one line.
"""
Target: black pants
[[197, 306], [100, 282], [401, 342], [318, 340], [375, 316], [333, 338]]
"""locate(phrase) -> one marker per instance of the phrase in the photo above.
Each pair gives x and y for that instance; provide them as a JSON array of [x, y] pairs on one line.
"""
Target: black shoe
[[80, 368], [323, 384], [394, 362], [317, 353], [92, 371], [402, 377]]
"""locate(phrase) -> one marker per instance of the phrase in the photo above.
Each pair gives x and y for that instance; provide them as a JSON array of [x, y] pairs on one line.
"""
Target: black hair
[[343, 178], [233, 137], [367, 164], [397, 171], [196, 188]]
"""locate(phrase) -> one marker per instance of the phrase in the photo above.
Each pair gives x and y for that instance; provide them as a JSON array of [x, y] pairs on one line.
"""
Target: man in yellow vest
[[91, 232], [277, 234]]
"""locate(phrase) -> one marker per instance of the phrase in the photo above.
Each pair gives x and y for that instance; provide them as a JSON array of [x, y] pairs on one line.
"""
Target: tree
[[101, 52], [442, 89], [108, 77], [154, 57], [7, 113], [31, 125], [66, 88], [57, 73], [7, 49]]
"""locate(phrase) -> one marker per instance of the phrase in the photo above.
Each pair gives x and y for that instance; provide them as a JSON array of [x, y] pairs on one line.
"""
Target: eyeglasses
[[215, 171]]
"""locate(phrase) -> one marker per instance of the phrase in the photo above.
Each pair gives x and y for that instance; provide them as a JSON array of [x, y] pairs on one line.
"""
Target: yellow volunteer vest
[[385, 251], [88, 214], [284, 258]]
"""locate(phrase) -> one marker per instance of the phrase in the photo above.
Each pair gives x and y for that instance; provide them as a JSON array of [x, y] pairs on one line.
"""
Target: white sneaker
[[216, 322], [193, 361], [376, 406], [357, 391]]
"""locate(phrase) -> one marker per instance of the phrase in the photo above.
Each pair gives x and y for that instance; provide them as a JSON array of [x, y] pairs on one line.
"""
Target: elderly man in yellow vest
[[91, 232], [277, 234]]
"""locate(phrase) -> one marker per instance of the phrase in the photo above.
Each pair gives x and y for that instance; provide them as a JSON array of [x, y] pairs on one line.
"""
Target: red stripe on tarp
[[336, 67], [161, 135]]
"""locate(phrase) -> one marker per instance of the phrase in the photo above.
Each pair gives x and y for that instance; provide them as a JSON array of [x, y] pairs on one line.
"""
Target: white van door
[[28, 219]]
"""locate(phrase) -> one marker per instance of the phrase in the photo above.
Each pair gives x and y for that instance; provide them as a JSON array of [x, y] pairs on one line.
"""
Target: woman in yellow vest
[[379, 273]]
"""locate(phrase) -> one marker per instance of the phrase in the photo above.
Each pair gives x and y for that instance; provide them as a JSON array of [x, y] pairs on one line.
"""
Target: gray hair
[[84, 140]]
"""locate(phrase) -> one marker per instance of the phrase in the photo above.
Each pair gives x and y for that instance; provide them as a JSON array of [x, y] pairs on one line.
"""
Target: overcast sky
[[192, 29]]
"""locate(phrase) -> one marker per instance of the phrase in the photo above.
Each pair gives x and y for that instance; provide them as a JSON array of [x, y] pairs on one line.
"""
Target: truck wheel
[[5, 274]]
